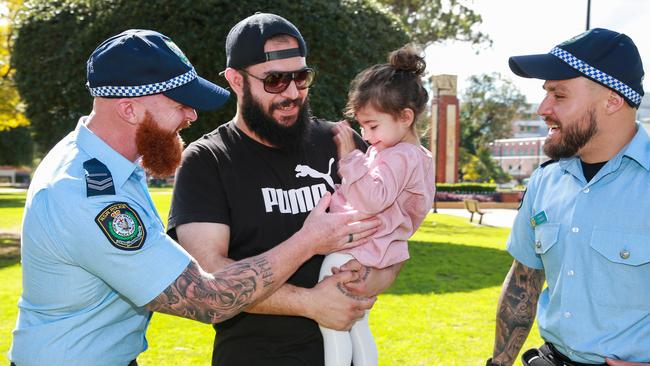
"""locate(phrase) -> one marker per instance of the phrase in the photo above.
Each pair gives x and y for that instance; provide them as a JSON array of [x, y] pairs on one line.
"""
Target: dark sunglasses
[[277, 82]]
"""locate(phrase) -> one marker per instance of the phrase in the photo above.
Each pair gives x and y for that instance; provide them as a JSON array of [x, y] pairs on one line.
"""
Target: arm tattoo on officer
[[212, 298], [516, 311]]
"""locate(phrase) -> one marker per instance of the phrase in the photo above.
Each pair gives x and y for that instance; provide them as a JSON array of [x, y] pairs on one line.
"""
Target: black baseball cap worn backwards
[[140, 62], [604, 56], [245, 41]]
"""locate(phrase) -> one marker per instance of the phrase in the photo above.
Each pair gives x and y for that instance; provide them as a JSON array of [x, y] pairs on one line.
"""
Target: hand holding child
[[370, 281]]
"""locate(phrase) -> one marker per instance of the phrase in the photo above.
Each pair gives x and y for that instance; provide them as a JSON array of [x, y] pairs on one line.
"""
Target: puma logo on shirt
[[298, 200], [306, 170], [294, 200]]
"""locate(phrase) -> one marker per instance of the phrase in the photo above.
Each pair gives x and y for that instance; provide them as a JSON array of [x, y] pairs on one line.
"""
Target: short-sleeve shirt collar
[[638, 149], [120, 167]]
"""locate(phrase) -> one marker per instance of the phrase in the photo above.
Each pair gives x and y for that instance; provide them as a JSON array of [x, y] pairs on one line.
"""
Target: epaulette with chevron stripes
[[99, 181]]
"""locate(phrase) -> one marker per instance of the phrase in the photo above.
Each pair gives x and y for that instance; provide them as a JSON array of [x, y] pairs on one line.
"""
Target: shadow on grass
[[11, 200], [9, 250], [443, 268]]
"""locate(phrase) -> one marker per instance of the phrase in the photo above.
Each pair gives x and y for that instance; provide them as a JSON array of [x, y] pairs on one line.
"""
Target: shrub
[[16, 147], [55, 39], [466, 187], [457, 197]]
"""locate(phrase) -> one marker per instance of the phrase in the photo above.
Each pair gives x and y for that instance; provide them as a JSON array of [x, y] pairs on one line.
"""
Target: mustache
[[552, 121], [287, 103]]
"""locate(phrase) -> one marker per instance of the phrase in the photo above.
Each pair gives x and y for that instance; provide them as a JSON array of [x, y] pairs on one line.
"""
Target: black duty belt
[[547, 355]]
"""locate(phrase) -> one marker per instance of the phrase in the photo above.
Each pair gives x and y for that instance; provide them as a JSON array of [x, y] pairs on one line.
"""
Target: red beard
[[161, 150]]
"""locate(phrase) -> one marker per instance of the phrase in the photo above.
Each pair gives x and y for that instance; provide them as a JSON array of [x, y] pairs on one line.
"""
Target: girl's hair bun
[[407, 59]]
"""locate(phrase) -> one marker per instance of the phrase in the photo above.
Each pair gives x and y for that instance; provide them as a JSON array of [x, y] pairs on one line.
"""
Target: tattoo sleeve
[[212, 298], [516, 311]]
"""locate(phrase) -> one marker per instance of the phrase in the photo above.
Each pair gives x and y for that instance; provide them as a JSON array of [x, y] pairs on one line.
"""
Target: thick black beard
[[574, 138], [288, 138]]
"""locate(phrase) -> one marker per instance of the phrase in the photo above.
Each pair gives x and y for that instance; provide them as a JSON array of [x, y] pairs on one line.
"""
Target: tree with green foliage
[[10, 107], [15, 140], [489, 105], [483, 168], [429, 21], [55, 39], [16, 147]]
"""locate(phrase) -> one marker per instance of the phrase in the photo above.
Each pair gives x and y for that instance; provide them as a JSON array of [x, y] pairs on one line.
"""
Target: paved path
[[492, 217]]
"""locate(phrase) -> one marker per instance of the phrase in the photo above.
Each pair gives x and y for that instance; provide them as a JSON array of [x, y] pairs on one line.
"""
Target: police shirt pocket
[[545, 237], [621, 268]]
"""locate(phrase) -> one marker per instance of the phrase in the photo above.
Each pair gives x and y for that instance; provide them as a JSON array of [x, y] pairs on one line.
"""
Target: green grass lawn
[[440, 311], [11, 211]]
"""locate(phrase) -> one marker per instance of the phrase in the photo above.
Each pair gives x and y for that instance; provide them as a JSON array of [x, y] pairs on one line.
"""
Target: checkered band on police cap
[[597, 75], [602, 55], [142, 90], [140, 62]]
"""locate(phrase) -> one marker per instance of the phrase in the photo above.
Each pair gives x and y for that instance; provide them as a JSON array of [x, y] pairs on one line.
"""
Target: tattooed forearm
[[214, 298], [516, 311], [267, 273]]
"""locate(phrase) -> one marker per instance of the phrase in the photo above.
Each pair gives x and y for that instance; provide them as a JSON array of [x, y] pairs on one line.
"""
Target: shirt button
[[586, 190], [625, 254], [567, 315], [538, 244], [575, 229], [570, 272]]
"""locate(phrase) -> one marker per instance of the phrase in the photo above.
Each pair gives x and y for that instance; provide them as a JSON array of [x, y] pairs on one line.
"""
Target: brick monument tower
[[445, 127]]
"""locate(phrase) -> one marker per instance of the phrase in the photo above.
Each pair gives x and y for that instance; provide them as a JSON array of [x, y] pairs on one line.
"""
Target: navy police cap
[[140, 62], [245, 41], [604, 56]]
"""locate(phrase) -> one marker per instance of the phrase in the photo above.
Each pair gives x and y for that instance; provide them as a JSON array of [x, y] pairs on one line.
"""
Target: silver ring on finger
[[350, 238]]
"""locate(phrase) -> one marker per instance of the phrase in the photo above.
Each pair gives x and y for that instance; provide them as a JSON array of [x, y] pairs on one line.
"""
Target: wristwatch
[[490, 363]]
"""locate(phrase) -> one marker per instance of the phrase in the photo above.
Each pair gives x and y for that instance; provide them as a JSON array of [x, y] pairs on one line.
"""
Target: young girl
[[394, 179]]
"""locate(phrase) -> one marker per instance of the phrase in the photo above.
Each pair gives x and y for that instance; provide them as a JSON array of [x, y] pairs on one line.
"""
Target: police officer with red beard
[[250, 184], [95, 257]]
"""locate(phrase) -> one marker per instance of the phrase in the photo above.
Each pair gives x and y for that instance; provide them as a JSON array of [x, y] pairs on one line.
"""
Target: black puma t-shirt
[[264, 195]]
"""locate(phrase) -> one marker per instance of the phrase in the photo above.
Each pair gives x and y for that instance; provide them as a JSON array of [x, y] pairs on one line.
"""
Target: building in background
[[519, 157], [14, 176], [529, 128]]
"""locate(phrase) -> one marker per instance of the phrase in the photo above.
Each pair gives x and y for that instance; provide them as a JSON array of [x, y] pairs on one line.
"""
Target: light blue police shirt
[[94, 252], [595, 249]]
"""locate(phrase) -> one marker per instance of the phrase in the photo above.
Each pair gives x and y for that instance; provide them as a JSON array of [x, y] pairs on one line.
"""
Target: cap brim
[[544, 66], [199, 94]]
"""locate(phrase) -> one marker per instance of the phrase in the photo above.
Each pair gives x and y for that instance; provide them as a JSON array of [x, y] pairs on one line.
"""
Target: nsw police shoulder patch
[[122, 226]]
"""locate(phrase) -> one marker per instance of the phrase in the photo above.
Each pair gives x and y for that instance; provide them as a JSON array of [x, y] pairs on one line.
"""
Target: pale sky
[[521, 27]]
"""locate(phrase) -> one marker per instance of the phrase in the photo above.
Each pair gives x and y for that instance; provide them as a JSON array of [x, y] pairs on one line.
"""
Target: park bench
[[473, 207]]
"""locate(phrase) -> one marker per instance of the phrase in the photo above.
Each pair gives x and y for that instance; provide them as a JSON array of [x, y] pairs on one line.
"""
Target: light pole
[[588, 12]]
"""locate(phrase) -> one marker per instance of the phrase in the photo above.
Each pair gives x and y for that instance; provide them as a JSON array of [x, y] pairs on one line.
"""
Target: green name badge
[[538, 219]]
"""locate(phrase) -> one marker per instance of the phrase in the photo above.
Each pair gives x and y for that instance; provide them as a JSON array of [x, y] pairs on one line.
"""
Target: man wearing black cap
[[95, 257], [583, 224], [250, 184]]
